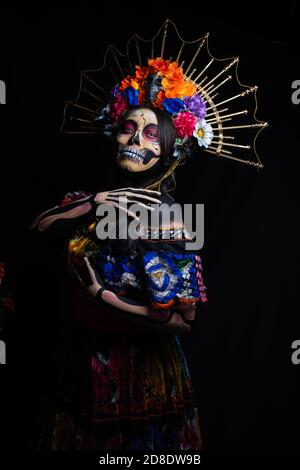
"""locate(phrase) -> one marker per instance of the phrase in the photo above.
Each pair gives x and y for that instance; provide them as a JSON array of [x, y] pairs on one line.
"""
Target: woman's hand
[[92, 284], [139, 314], [142, 197]]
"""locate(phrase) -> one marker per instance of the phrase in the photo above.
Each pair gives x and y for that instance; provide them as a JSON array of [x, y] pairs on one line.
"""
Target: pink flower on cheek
[[118, 107], [184, 124]]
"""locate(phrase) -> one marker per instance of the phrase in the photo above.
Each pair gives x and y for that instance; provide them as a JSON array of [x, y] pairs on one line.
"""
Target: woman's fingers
[[187, 310], [127, 211], [90, 269], [123, 199], [150, 192], [133, 196], [177, 325]]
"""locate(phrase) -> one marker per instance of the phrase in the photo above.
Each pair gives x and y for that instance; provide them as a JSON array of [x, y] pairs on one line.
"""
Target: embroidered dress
[[139, 394]]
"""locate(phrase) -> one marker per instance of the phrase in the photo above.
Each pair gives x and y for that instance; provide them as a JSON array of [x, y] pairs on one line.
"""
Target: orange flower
[[159, 65], [174, 72], [129, 81], [141, 73], [178, 89], [159, 99], [142, 96]]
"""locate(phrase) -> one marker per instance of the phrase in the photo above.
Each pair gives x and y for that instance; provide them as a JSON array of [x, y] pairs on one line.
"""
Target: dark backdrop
[[239, 350]]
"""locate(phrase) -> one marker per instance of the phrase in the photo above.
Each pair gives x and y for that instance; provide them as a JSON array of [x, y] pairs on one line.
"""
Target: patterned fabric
[[173, 277], [139, 394], [140, 398], [163, 277]]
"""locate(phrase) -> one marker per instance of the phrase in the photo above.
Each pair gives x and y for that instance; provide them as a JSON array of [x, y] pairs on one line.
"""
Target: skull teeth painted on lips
[[133, 154]]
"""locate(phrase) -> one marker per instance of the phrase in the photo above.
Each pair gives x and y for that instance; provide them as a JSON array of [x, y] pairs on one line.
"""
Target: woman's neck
[[139, 179]]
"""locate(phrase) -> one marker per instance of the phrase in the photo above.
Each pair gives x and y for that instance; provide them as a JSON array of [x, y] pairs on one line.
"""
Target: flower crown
[[203, 99], [162, 84]]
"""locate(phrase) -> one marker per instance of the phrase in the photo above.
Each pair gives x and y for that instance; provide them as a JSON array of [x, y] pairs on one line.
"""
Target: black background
[[239, 350]]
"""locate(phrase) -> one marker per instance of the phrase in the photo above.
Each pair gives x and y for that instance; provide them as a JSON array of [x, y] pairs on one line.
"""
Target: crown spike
[[118, 64], [223, 71], [221, 111], [202, 81], [180, 51], [214, 88], [92, 94], [262, 124], [247, 162], [138, 49], [228, 144], [190, 76], [164, 39], [195, 55], [95, 84], [82, 107], [215, 150], [72, 118], [244, 93], [213, 121], [245, 111], [152, 49], [203, 70]]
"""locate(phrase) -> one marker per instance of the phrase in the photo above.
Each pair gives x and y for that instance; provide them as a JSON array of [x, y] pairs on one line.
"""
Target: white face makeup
[[138, 139]]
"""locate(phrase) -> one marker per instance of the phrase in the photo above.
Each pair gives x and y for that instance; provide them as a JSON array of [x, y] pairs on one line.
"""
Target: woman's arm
[[173, 320]]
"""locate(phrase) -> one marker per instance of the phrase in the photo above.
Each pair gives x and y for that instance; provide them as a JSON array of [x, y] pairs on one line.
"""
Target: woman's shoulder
[[73, 196]]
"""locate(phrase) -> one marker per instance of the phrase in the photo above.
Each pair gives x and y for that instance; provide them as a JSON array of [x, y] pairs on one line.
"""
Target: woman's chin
[[133, 166]]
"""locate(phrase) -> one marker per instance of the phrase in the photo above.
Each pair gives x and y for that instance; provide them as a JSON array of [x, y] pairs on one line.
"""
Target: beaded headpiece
[[200, 96]]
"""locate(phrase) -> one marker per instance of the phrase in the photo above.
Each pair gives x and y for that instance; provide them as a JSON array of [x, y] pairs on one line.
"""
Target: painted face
[[138, 139]]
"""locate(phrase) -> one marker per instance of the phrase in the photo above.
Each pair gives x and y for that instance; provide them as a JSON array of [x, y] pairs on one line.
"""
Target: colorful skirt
[[140, 397]]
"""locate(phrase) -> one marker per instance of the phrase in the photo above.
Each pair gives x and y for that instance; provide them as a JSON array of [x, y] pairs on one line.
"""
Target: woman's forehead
[[143, 116]]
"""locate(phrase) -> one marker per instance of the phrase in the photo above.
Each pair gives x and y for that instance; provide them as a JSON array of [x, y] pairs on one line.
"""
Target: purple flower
[[195, 105], [115, 90]]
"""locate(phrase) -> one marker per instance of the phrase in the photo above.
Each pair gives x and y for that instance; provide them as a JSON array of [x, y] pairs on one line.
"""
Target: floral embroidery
[[173, 278]]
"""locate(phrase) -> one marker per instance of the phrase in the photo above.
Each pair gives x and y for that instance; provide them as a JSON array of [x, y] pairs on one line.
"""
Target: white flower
[[203, 133], [103, 113]]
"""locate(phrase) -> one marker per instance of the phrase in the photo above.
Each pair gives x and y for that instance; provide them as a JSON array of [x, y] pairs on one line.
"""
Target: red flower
[[118, 107], [184, 124]]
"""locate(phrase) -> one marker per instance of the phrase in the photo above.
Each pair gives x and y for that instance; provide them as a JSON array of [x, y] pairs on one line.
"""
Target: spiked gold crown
[[202, 97]]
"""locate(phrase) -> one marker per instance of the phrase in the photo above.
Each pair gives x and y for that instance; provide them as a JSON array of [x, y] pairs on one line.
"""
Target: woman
[[132, 299]]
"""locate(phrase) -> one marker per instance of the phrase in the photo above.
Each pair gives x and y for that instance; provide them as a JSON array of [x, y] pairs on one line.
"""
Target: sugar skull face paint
[[139, 141]]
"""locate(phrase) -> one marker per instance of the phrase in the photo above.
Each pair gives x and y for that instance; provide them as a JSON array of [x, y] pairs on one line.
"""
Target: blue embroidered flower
[[171, 275]]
